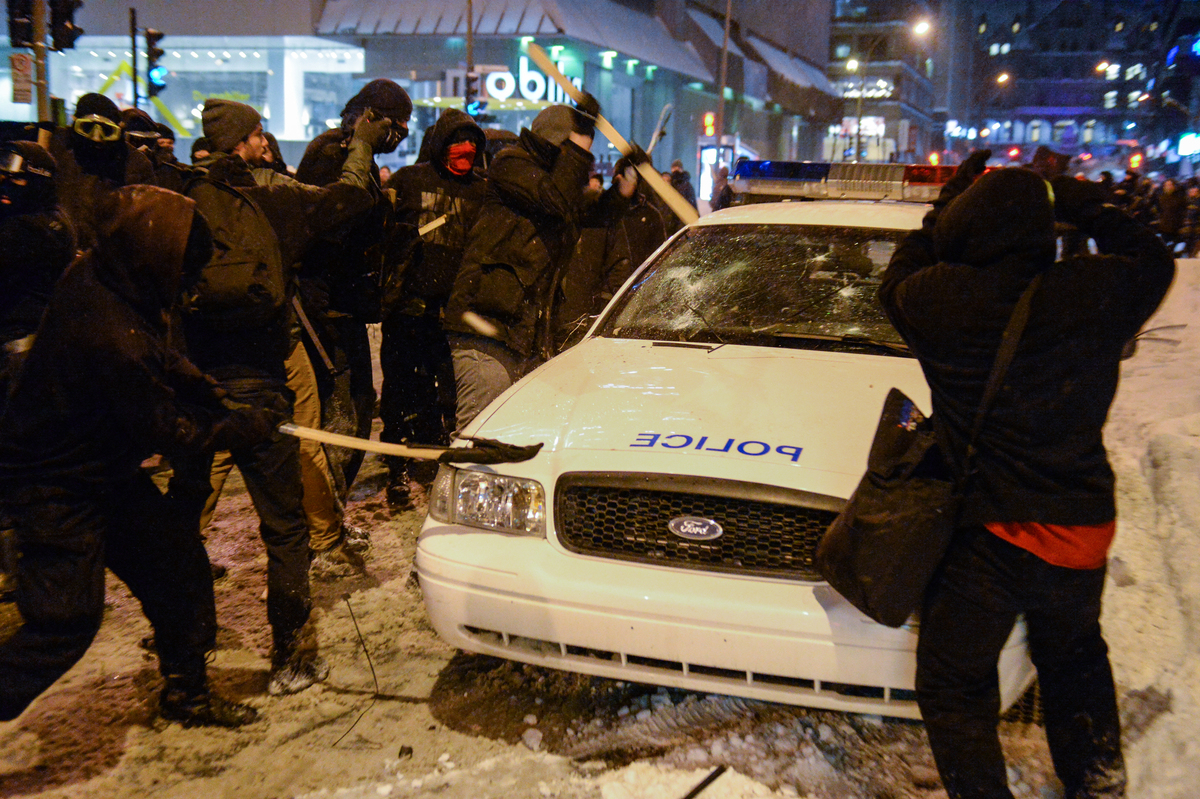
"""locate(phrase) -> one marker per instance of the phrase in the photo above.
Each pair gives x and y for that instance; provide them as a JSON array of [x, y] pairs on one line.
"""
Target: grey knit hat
[[554, 124], [227, 122]]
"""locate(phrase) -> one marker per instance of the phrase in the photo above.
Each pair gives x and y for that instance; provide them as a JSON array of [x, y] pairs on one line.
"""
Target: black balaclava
[[26, 179]]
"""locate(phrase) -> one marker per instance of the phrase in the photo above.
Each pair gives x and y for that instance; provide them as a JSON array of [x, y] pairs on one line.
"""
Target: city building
[[881, 61], [646, 61]]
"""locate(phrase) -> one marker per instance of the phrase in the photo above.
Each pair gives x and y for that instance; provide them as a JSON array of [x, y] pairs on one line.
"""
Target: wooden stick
[[682, 208], [351, 442]]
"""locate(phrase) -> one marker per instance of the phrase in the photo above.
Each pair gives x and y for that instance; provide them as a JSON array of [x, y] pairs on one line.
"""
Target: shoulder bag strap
[[1008, 348]]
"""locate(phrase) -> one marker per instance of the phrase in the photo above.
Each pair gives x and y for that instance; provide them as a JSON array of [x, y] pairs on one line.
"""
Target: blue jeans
[[969, 612]]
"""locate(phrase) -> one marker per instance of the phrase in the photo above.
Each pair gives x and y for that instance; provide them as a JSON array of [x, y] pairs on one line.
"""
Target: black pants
[[66, 538], [417, 402], [347, 393], [271, 471], [969, 612]]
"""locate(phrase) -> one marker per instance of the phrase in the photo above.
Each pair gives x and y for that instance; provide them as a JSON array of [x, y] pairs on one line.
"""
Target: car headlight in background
[[488, 500]]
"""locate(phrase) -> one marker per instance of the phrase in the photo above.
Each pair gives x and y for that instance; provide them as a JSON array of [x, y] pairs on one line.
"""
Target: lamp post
[[919, 29]]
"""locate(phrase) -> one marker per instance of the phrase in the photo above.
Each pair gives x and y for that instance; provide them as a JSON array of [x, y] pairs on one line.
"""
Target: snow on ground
[[419, 720]]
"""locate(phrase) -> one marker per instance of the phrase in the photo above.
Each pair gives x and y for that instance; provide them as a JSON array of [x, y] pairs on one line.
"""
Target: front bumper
[[527, 599]]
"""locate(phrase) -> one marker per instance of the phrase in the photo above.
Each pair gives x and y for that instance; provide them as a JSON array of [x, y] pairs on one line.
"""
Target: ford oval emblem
[[694, 528]]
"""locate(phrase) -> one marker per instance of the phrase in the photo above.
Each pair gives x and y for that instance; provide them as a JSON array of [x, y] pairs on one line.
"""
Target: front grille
[[767, 531]]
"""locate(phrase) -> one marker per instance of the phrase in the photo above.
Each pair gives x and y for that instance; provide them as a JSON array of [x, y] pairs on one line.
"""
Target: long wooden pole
[[682, 208]]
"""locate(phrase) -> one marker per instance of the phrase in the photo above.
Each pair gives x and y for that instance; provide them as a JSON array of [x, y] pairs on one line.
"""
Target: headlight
[[491, 501]]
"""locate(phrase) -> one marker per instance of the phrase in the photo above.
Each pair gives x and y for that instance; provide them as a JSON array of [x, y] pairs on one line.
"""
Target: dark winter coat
[[1041, 456], [525, 234], [425, 192], [1172, 208], [682, 181], [341, 271], [87, 171], [606, 255], [102, 388], [35, 249], [298, 214]]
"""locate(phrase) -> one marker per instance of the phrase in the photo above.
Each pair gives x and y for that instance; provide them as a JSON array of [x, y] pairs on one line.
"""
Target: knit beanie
[[227, 122], [94, 104], [1006, 213], [137, 121], [383, 95], [165, 131], [554, 124]]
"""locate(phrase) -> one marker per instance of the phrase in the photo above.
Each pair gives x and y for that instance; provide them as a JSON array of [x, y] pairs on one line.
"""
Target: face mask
[[97, 129], [460, 157]]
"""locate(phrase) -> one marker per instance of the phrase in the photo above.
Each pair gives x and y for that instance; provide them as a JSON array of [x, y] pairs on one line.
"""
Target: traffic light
[[1135, 161], [471, 93], [63, 30], [156, 73], [710, 123], [20, 23]]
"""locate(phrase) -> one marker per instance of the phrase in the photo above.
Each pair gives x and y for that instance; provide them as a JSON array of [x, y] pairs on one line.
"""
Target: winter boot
[[338, 561], [358, 539], [295, 664], [188, 701]]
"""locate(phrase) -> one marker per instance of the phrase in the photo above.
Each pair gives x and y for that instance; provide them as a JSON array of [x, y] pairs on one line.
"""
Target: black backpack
[[244, 284]]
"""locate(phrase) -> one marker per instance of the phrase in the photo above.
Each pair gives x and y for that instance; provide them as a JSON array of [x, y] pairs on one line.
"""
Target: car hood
[[728, 411]]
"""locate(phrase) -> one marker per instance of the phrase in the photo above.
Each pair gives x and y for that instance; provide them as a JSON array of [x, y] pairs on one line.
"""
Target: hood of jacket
[[141, 247], [440, 134], [1004, 219]]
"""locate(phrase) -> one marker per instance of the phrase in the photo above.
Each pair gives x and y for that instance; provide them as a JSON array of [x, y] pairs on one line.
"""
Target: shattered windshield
[[806, 286]]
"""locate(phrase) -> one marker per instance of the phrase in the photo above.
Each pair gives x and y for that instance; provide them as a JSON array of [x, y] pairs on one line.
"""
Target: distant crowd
[[1170, 206]]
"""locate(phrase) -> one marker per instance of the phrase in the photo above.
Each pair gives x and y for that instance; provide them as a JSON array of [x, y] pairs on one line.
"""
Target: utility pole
[[721, 83], [133, 50], [469, 79], [41, 80]]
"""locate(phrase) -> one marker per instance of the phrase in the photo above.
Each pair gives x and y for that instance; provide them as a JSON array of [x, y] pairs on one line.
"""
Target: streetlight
[[919, 29]]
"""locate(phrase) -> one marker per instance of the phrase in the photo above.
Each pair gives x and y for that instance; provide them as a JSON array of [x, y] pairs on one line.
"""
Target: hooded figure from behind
[[101, 390], [1038, 512]]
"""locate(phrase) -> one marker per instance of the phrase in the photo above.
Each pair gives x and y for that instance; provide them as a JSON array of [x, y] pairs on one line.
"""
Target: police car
[[697, 443]]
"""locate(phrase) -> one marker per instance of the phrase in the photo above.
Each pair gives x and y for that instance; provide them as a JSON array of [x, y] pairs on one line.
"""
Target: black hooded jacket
[[525, 234], [950, 289], [102, 388], [426, 191], [298, 213], [87, 171]]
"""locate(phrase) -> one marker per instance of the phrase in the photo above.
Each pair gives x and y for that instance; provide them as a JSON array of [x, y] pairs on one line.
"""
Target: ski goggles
[[97, 128], [13, 163]]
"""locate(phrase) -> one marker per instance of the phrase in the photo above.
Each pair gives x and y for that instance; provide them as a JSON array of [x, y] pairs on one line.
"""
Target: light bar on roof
[[783, 180]]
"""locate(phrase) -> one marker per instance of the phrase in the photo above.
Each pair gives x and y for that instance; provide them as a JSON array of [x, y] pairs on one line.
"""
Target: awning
[[603, 23], [715, 31], [800, 73]]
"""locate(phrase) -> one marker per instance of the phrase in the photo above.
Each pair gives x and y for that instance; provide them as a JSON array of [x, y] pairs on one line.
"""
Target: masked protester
[[499, 315], [1039, 508], [94, 159], [417, 405], [36, 245], [340, 279], [143, 134], [611, 246], [102, 389]]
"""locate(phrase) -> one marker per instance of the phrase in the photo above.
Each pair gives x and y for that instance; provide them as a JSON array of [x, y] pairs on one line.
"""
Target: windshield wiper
[[848, 338]]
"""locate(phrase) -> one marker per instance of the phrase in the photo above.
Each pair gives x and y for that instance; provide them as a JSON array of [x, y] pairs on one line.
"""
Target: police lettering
[[729, 446]]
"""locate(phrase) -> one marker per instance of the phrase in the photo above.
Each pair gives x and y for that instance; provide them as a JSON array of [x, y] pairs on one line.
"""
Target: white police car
[[698, 442]]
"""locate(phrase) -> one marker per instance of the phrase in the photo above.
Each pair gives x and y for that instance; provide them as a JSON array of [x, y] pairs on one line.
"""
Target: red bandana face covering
[[460, 157]]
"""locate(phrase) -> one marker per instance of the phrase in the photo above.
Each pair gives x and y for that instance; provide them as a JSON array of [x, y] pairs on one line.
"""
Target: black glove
[[1077, 202], [246, 426], [586, 111], [372, 129], [963, 177], [637, 155]]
